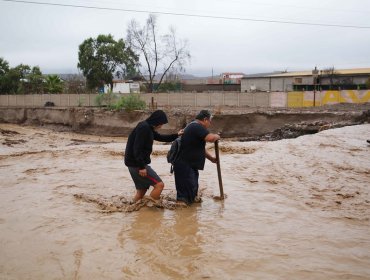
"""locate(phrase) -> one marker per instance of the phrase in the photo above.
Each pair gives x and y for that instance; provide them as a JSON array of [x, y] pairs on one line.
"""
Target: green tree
[[10, 82], [20, 79], [23, 71], [35, 80], [103, 58], [53, 84], [14, 80], [159, 53], [4, 69]]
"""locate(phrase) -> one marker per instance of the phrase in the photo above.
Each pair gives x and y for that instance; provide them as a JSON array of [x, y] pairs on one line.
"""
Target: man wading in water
[[192, 156], [137, 154]]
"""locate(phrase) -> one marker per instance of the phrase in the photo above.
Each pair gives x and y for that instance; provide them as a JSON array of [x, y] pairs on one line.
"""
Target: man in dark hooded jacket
[[138, 150]]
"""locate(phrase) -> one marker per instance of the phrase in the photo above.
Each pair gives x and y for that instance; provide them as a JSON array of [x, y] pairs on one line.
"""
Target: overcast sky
[[223, 35]]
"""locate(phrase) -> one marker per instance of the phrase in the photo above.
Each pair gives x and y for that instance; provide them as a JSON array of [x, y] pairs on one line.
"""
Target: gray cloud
[[49, 36]]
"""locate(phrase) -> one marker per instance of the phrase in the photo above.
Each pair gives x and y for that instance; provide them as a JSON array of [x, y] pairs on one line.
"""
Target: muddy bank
[[245, 124]]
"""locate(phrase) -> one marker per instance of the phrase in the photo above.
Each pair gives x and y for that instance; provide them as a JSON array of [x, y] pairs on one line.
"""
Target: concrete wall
[[61, 100], [306, 99], [213, 99], [191, 99]]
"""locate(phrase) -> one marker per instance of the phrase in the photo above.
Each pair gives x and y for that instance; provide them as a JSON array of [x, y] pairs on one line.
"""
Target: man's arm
[[168, 137], [211, 137], [164, 137], [210, 157]]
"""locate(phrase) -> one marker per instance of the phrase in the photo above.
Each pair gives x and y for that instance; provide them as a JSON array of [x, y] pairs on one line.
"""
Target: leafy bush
[[99, 99], [106, 99], [129, 103]]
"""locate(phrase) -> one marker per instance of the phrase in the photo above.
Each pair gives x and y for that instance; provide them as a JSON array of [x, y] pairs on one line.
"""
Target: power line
[[190, 15], [305, 7]]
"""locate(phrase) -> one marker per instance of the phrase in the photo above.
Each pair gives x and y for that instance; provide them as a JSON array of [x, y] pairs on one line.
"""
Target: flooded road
[[295, 209]]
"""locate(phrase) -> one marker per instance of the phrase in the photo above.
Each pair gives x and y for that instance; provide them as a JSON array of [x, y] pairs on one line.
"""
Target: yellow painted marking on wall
[[327, 97], [366, 97], [333, 97], [295, 99], [309, 97], [307, 103], [352, 96]]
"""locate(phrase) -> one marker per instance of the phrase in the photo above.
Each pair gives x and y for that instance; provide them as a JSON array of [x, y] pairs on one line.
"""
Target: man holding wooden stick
[[192, 156]]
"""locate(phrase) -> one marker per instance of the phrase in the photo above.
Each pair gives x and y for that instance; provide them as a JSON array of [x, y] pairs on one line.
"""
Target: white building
[[123, 87]]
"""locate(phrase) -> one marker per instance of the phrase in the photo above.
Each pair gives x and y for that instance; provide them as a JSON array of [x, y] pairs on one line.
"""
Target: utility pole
[[315, 73]]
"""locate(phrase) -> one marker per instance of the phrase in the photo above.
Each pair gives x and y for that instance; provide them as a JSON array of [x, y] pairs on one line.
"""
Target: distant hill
[[71, 77], [181, 76], [68, 77], [188, 77]]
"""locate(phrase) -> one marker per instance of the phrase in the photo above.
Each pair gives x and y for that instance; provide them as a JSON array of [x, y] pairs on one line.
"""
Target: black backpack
[[174, 152]]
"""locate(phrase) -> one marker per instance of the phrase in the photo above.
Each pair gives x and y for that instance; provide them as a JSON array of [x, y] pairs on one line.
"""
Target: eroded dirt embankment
[[243, 124]]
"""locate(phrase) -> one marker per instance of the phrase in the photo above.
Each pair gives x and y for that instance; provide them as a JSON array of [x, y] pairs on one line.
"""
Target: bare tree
[[158, 53], [331, 74]]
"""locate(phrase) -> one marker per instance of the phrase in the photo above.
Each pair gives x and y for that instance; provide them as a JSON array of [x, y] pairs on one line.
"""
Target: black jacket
[[140, 144]]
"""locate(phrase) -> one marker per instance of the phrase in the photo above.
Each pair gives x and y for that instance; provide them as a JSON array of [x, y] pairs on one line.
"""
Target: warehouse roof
[[355, 71]]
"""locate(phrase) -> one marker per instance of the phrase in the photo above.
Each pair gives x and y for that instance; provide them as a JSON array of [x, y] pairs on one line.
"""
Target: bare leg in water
[[155, 193]]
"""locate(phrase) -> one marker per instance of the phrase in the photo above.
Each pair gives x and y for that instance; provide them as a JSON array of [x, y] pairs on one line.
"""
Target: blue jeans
[[186, 180]]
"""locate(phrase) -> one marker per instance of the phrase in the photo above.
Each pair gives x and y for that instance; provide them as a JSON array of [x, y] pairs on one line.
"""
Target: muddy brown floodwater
[[295, 209]]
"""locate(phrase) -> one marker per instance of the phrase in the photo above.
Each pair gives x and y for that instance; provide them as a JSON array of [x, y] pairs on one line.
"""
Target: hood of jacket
[[157, 118]]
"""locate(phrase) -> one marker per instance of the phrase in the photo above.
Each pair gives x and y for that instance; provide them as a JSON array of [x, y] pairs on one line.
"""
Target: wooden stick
[[219, 170]]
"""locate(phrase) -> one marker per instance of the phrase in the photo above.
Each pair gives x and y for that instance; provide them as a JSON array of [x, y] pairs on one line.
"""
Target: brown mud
[[295, 209]]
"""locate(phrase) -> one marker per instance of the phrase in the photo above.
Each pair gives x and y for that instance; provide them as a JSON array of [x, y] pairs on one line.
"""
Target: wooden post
[[219, 171]]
